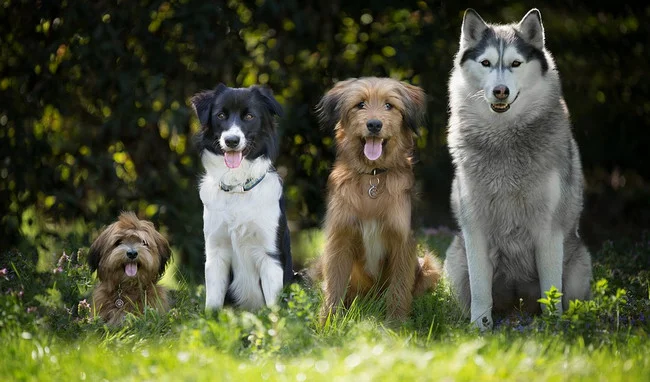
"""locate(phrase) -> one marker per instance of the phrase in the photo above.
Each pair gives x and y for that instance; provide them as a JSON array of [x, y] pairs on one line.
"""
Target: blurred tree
[[94, 116]]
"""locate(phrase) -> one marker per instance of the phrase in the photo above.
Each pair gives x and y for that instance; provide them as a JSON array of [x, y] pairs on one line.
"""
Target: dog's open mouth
[[233, 158], [131, 269], [502, 107], [373, 147]]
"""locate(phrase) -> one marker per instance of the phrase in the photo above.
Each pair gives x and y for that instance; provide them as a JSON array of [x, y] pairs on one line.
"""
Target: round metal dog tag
[[119, 303], [372, 192]]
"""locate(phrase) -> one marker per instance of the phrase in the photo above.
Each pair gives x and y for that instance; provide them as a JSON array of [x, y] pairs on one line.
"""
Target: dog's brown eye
[[361, 105], [515, 64], [221, 115], [248, 117], [485, 63], [388, 106]]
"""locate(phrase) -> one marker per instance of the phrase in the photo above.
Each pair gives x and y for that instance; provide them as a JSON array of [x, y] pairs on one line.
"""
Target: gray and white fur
[[518, 187]]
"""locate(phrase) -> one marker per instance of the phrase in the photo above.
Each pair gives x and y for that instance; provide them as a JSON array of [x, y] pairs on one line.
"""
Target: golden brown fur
[[343, 264], [108, 255]]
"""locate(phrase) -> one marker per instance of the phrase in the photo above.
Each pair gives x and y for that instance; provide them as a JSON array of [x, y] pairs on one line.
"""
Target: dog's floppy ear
[[98, 247], [269, 100], [415, 107], [472, 29], [202, 103], [328, 109], [532, 29], [164, 250]]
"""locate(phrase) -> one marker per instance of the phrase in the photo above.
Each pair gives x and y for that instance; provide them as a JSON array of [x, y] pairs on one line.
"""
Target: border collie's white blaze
[[233, 142], [248, 254]]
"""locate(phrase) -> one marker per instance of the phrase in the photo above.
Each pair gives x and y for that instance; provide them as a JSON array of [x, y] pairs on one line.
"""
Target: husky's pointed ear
[[532, 29], [269, 100], [202, 103], [415, 107], [472, 29]]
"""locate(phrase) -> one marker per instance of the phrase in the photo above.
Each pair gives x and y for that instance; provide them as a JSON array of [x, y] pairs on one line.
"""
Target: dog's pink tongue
[[373, 148], [232, 158], [131, 269]]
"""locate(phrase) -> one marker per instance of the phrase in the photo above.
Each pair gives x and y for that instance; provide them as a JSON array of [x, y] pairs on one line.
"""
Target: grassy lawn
[[46, 335]]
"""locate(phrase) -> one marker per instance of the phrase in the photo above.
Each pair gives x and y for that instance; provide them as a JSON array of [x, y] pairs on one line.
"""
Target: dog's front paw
[[212, 310], [484, 323], [397, 314], [326, 314]]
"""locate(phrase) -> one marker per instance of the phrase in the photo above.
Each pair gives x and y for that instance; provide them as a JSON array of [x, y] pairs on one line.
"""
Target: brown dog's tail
[[428, 274]]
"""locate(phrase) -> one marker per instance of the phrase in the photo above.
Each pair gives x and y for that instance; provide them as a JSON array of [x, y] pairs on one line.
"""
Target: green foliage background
[[94, 114]]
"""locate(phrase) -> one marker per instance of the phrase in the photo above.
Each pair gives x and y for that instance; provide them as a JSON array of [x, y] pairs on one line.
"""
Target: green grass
[[45, 336]]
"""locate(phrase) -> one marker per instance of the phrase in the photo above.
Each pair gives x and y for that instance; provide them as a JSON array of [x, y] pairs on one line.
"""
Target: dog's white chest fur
[[373, 246], [240, 231]]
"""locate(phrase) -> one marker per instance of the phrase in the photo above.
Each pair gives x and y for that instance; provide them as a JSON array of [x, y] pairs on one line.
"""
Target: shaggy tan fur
[[108, 255], [347, 108]]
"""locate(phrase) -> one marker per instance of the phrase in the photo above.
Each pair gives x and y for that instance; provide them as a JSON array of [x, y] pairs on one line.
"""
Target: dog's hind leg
[[455, 269], [427, 274], [271, 279]]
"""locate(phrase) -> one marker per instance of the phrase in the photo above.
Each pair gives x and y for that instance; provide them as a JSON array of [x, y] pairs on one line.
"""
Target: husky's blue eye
[[515, 64], [485, 63], [361, 105]]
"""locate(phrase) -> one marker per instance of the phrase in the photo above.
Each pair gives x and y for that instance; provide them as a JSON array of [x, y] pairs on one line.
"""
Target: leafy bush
[[94, 116]]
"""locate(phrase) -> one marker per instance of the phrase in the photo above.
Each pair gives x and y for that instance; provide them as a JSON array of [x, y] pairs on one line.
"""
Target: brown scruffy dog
[[130, 257], [369, 244]]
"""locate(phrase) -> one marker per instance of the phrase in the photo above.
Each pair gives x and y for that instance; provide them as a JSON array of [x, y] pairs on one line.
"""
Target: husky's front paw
[[483, 323], [212, 308], [211, 313]]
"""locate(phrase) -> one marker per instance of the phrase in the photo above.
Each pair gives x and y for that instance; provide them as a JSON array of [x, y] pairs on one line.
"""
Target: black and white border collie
[[247, 248]]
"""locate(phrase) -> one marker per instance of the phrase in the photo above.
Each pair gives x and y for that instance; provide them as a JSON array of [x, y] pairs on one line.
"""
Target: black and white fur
[[247, 247], [517, 192]]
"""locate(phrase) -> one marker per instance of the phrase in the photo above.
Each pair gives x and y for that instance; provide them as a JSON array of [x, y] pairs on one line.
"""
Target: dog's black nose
[[232, 141], [374, 125], [131, 254], [501, 92]]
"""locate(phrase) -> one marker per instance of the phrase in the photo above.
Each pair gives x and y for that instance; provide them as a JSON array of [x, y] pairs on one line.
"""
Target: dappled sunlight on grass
[[47, 334]]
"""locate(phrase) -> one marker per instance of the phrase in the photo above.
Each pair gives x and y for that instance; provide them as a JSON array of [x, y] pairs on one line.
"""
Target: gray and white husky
[[517, 191]]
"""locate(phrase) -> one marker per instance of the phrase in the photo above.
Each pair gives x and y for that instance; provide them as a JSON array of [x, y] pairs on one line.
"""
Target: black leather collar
[[247, 186], [376, 171]]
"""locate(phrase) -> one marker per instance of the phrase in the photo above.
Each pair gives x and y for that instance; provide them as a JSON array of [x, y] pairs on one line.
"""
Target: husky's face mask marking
[[502, 59]]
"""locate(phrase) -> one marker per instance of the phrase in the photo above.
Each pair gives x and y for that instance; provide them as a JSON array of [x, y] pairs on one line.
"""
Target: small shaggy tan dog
[[130, 257], [369, 244]]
